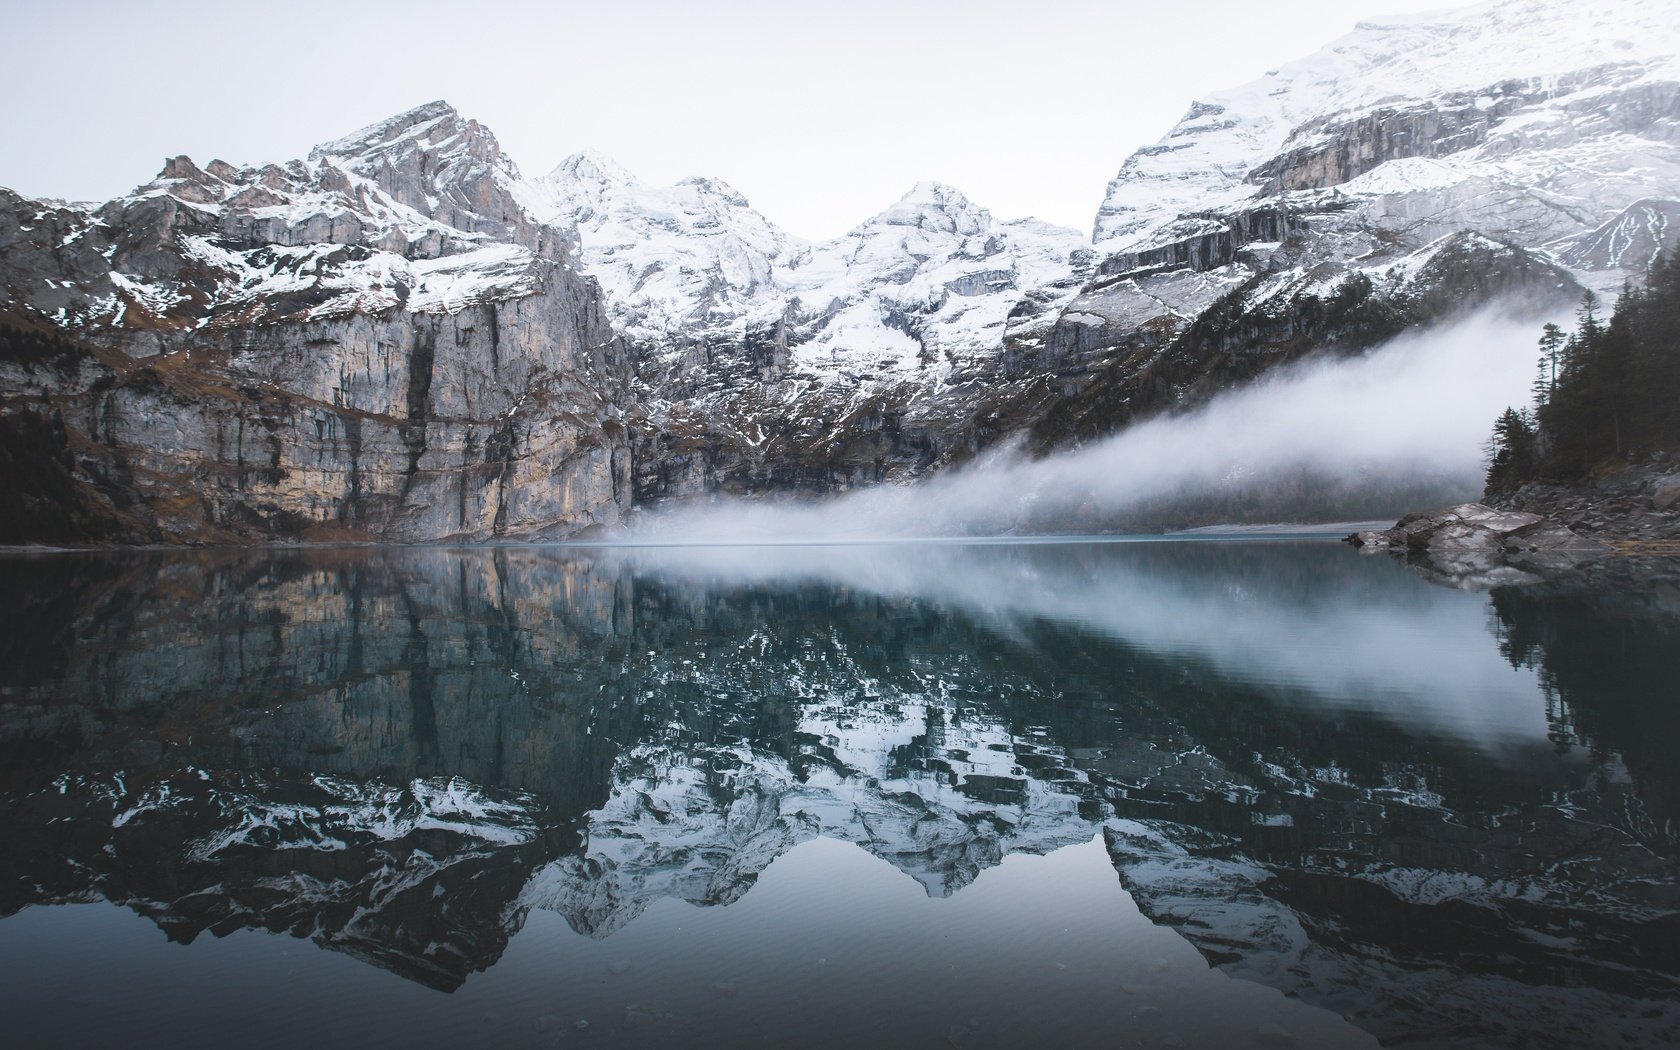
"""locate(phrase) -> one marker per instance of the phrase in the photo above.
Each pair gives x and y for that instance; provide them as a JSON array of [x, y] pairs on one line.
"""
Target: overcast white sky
[[821, 113]]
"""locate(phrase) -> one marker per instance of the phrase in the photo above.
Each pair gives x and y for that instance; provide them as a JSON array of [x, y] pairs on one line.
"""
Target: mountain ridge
[[660, 343]]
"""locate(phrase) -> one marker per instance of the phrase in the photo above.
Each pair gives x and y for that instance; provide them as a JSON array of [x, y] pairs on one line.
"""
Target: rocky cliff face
[[373, 343], [394, 337]]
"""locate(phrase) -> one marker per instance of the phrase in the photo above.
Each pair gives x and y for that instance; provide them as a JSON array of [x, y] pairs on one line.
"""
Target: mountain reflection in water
[[1446, 817]]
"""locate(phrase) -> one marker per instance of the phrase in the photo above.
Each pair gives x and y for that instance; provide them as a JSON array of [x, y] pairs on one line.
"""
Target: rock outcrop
[[1547, 527], [1633, 503], [1477, 528], [1477, 546]]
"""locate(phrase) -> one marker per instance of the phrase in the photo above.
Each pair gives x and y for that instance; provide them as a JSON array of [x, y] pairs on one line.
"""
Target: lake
[[1263, 792]]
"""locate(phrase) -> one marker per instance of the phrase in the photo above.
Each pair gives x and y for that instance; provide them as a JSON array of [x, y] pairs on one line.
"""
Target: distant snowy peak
[[929, 279], [934, 224], [1498, 66], [589, 184], [583, 178], [591, 166], [919, 290], [675, 261], [934, 205]]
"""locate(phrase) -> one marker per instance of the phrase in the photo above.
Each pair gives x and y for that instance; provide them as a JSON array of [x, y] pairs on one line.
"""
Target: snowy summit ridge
[[694, 262]]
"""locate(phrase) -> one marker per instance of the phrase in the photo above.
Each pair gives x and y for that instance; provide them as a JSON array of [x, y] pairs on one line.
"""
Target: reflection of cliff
[[338, 705], [414, 878], [350, 663], [399, 753]]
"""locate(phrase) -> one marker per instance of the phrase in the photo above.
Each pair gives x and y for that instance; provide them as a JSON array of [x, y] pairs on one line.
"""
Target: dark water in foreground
[[1227, 794]]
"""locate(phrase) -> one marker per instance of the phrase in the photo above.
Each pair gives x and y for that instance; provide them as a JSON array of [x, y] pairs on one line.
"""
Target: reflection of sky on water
[[833, 947]]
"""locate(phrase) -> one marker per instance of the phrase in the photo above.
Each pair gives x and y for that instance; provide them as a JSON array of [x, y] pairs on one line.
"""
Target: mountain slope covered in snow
[[1511, 153]]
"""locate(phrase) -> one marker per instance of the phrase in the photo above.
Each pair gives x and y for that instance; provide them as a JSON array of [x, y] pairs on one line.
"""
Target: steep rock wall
[[300, 353]]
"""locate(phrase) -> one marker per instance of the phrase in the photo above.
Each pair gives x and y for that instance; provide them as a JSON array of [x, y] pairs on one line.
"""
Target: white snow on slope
[[672, 259], [930, 279], [1202, 163], [925, 284]]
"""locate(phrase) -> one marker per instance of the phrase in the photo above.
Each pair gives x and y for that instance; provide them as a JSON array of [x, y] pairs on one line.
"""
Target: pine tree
[[1551, 354], [1587, 324], [1510, 451], [1607, 391]]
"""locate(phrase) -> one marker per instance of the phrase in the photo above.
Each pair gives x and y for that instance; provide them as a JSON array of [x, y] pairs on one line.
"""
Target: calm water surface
[[1228, 794]]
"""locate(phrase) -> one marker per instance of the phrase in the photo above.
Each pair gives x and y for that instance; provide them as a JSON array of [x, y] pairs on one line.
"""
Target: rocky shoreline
[[1542, 527], [1639, 504]]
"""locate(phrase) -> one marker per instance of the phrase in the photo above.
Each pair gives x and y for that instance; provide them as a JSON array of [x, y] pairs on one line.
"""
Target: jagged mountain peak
[[934, 192], [181, 178], [936, 206], [182, 167], [590, 177], [593, 178], [435, 129], [389, 129], [591, 190], [674, 260], [716, 188], [593, 166]]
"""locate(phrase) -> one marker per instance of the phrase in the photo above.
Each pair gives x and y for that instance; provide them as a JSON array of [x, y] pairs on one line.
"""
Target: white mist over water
[[1420, 407]]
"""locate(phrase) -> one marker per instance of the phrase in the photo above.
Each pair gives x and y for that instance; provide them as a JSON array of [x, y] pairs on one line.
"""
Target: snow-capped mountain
[[921, 289], [412, 211], [683, 264], [736, 323], [1415, 167], [1418, 167], [929, 280], [398, 336], [1524, 120]]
